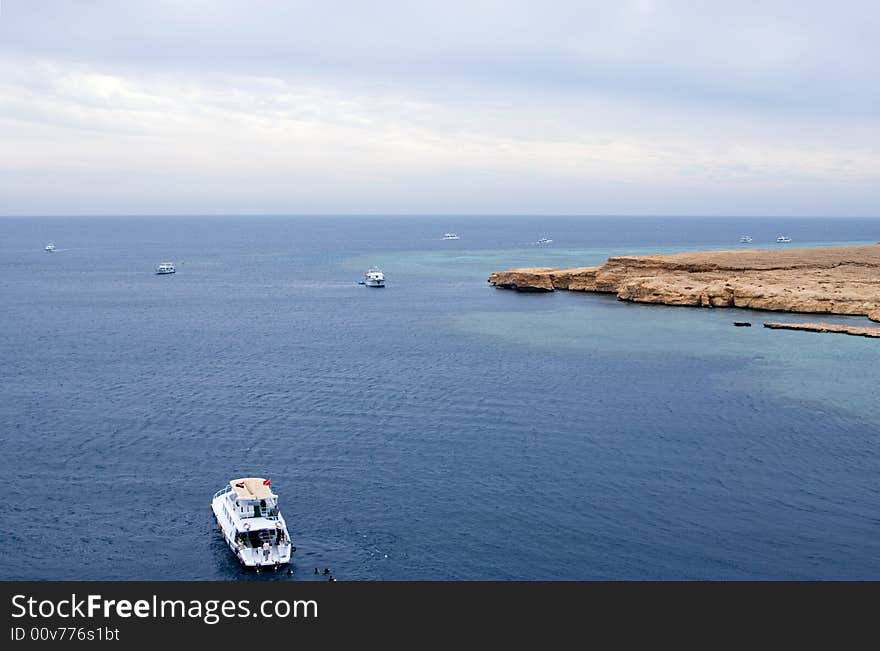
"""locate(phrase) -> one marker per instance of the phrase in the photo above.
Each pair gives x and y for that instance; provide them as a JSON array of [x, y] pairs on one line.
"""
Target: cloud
[[422, 107]]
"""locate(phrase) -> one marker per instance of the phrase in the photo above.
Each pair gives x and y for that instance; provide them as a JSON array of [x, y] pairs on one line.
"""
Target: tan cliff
[[828, 280]]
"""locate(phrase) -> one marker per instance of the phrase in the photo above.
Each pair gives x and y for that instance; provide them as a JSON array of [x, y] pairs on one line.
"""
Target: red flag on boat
[[266, 482]]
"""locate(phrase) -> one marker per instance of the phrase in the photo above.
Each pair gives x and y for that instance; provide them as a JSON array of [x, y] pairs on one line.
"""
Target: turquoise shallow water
[[760, 360], [436, 429]]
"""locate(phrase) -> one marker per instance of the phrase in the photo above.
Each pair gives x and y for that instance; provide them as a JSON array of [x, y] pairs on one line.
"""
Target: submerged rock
[[858, 331]]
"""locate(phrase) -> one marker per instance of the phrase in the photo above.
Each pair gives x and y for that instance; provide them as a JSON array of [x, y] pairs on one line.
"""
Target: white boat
[[165, 268], [374, 278], [450, 236], [49, 248], [544, 240], [782, 239], [745, 239], [252, 526]]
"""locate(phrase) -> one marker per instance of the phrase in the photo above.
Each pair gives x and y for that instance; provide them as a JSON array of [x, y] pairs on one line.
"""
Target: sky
[[635, 107]]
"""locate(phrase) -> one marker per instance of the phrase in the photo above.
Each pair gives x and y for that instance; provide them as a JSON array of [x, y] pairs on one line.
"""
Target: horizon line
[[420, 215]]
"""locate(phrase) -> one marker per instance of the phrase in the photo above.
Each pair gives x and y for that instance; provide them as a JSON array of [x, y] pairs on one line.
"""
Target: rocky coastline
[[820, 280]]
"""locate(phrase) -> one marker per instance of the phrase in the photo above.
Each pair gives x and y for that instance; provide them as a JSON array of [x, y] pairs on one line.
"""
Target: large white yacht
[[745, 239], [450, 236], [374, 278], [544, 240], [165, 268], [49, 248], [248, 516], [783, 239]]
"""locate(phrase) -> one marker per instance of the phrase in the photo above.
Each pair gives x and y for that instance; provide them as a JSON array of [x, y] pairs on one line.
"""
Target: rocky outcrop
[[828, 280], [858, 331], [535, 279], [545, 279]]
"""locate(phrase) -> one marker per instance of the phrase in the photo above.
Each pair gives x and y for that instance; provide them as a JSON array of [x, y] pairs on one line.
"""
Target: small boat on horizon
[[544, 240], [165, 268], [783, 239], [745, 239], [50, 248], [374, 278], [450, 236], [248, 516]]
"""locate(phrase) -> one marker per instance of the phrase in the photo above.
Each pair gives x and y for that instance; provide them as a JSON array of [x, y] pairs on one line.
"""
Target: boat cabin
[[252, 497], [256, 539]]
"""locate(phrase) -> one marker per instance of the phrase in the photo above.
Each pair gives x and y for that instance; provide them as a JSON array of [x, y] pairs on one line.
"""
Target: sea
[[436, 429]]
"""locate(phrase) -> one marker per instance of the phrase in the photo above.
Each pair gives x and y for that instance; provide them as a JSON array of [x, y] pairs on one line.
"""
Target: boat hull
[[374, 283], [250, 557], [253, 558]]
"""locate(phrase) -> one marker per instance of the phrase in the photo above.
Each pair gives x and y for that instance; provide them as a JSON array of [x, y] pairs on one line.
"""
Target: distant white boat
[[165, 268], [782, 239], [450, 236], [49, 248], [374, 278], [544, 240], [745, 239]]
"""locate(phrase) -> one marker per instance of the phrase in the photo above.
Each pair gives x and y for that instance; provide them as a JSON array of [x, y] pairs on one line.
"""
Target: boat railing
[[226, 489]]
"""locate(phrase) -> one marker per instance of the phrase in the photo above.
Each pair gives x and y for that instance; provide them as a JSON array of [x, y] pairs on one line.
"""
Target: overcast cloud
[[632, 107]]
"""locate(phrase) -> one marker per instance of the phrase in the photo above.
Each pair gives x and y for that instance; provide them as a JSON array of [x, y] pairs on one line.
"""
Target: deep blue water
[[436, 429]]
